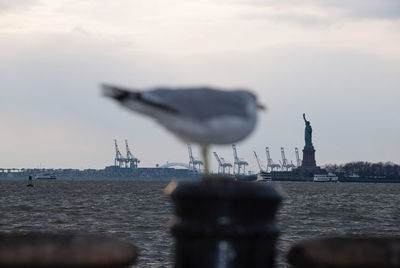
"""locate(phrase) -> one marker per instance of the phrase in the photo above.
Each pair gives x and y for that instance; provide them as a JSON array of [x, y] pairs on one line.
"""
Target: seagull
[[202, 115]]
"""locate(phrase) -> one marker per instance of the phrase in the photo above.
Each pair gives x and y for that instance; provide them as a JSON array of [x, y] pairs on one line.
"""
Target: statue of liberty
[[307, 133]]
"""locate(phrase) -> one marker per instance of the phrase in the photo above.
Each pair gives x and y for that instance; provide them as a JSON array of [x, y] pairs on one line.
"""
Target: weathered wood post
[[346, 252], [64, 250], [222, 223]]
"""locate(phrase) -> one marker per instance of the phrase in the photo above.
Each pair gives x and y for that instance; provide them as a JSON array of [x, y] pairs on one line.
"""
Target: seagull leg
[[204, 152]]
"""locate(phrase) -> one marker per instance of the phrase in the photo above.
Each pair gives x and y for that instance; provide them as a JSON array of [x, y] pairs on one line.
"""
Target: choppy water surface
[[138, 211]]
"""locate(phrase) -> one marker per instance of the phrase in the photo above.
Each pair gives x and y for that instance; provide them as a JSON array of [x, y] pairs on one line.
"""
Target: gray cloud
[[360, 9], [7, 5], [298, 19], [81, 30], [386, 9]]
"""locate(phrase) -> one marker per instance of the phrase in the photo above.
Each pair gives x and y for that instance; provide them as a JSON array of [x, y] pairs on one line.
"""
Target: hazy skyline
[[337, 61]]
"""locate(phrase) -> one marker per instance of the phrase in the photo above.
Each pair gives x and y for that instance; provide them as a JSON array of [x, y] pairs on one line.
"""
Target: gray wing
[[196, 103], [121, 95], [201, 103]]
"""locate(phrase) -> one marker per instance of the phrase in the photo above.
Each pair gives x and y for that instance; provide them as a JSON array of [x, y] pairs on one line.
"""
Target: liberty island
[[308, 167]]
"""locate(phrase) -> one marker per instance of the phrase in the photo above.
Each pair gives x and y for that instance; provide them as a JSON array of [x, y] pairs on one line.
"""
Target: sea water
[[139, 212]]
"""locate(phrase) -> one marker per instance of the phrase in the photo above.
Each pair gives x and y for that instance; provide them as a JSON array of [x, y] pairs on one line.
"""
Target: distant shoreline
[[341, 180]]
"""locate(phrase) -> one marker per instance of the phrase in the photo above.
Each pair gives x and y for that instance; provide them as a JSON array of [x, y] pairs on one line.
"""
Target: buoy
[[30, 184]]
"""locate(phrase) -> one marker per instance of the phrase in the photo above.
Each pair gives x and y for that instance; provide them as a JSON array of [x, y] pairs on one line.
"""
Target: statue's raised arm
[[307, 133], [304, 117]]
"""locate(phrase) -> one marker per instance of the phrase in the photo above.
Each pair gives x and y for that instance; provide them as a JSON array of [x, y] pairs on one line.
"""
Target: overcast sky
[[336, 60]]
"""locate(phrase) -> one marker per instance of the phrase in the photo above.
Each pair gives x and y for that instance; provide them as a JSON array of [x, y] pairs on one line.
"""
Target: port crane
[[298, 160], [284, 160], [270, 164], [226, 165], [219, 162], [239, 163], [222, 164], [194, 163], [285, 163], [130, 161], [118, 156], [291, 165], [258, 162]]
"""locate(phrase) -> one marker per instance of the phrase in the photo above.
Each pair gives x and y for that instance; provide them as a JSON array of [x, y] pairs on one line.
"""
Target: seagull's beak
[[114, 92], [261, 107]]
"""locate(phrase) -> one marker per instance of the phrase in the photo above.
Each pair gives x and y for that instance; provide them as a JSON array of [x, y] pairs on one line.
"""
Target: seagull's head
[[261, 106]]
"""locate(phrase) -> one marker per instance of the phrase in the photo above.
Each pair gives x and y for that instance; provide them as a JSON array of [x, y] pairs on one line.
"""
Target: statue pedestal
[[308, 157], [309, 166]]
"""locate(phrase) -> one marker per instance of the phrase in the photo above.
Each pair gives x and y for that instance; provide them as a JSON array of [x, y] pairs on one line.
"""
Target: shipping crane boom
[[258, 162]]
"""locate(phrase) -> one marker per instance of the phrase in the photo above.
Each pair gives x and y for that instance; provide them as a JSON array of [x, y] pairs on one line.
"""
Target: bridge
[[175, 164]]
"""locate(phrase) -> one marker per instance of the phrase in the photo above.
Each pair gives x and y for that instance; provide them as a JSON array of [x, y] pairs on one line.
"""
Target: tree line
[[388, 170]]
